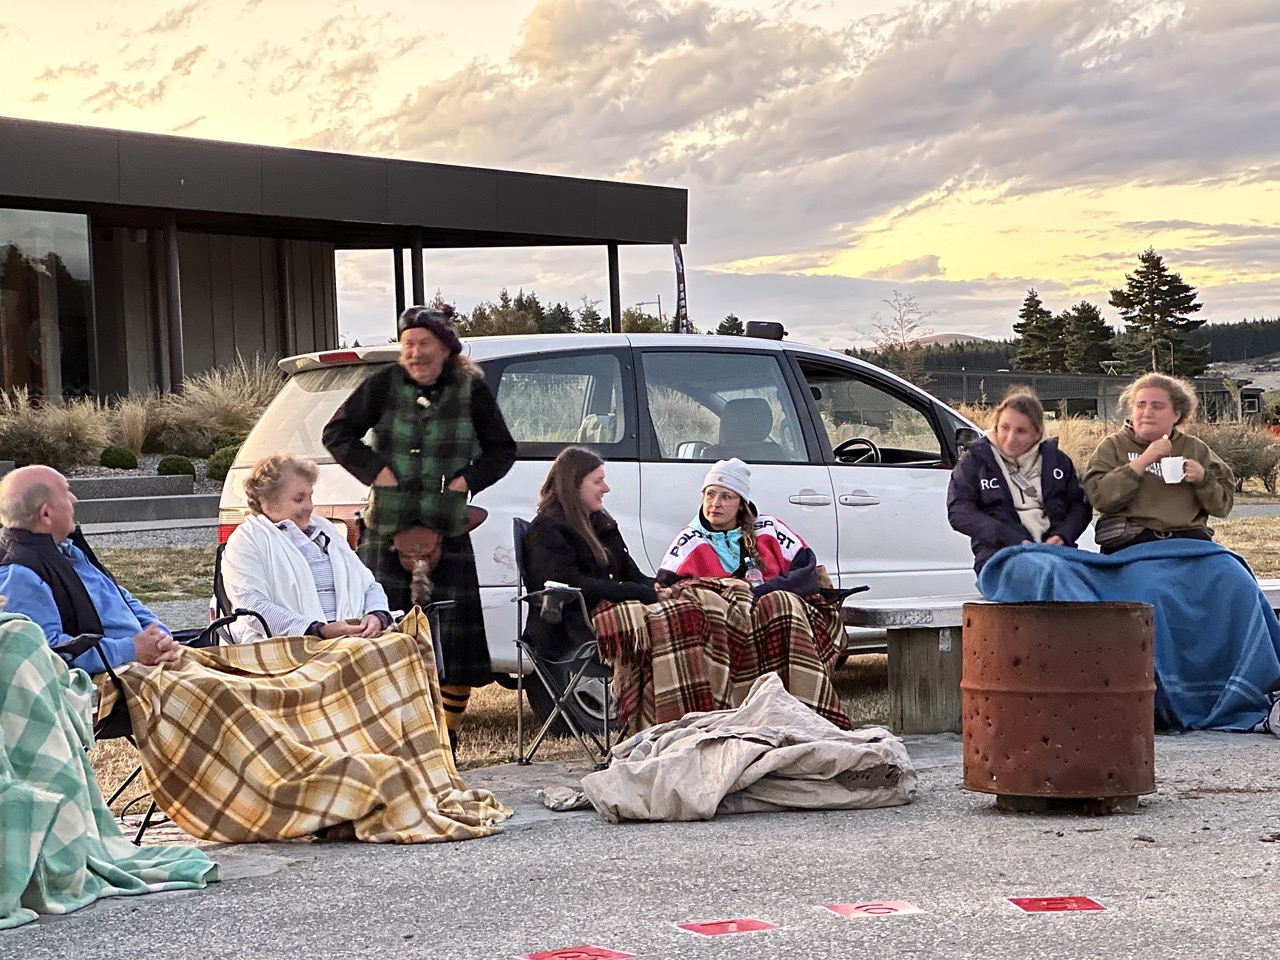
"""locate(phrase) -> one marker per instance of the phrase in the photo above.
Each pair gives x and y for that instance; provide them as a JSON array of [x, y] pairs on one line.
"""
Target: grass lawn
[[162, 573]]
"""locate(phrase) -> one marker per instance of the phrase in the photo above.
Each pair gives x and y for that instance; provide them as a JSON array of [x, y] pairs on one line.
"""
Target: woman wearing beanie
[[729, 538], [439, 439], [712, 635]]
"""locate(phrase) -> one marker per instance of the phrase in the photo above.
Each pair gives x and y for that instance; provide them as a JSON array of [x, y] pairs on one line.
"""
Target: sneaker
[[1272, 723]]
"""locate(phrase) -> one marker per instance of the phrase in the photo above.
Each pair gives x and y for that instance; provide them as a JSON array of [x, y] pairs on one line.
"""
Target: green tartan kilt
[[464, 646]]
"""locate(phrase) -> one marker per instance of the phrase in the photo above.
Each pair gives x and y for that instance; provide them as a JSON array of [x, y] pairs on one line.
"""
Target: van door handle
[[810, 498], [859, 498]]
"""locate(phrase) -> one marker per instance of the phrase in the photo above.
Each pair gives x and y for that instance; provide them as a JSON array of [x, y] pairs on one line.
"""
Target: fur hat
[[732, 475], [438, 321]]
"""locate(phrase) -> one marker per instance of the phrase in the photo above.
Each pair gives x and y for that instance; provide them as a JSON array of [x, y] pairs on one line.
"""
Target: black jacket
[[980, 506], [344, 434], [553, 550]]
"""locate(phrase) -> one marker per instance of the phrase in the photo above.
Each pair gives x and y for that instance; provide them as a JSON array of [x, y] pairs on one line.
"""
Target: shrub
[[137, 422], [218, 401], [176, 465], [229, 438], [220, 463], [118, 458], [61, 435], [1248, 450]]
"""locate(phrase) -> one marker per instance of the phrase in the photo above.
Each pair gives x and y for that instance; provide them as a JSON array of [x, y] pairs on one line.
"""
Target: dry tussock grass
[[229, 398], [58, 434], [137, 421]]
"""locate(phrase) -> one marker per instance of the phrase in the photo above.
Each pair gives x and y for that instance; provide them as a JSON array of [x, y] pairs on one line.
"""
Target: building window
[[45, 302]]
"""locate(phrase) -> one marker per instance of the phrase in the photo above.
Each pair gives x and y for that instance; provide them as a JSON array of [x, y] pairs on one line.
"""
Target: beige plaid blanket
[[285, 737], [705, 649]]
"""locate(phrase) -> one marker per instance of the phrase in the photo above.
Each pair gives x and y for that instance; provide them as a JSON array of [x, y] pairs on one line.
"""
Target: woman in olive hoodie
[[1149, 480]]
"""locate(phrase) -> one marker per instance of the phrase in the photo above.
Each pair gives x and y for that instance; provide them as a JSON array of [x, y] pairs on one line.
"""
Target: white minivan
[[853, 458]]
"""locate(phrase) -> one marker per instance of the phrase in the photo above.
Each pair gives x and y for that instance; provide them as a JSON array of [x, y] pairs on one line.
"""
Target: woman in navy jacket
[[1013, 486]]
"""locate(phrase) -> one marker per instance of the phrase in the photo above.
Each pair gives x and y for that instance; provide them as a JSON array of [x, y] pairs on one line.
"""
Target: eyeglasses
[[713, 496]]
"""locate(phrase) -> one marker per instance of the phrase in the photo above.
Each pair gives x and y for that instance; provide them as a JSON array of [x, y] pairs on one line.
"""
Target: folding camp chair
[[581, 665], [115, 724]]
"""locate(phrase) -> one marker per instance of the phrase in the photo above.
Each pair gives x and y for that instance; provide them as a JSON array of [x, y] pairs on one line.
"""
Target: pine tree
[[731, 326], [1040, 339], [588, 318], [1156, 306], [1088, 339]]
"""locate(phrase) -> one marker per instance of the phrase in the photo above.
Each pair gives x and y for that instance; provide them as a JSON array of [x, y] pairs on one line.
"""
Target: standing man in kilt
[[439, 438]]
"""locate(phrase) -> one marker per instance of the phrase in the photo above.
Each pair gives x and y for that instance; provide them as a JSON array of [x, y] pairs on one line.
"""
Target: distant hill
[[949, 339]]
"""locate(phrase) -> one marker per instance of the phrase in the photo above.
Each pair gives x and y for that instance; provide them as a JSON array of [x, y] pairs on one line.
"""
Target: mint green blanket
[[60, 847]]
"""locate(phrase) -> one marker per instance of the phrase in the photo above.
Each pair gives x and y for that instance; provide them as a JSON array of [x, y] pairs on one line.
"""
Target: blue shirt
[[122, 615]]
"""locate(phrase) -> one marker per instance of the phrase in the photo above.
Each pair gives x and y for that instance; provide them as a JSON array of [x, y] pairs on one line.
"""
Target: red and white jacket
[[692, 555]]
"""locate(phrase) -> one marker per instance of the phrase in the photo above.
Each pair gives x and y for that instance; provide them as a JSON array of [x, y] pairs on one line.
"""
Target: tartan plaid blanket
[[705, 648], [284, 737], [60, 847]]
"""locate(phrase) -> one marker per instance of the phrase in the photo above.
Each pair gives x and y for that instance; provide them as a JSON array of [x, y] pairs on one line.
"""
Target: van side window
[[711, 406], [867, 423], [570, 398]]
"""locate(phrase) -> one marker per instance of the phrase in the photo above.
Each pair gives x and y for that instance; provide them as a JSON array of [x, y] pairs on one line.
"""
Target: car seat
[[745, 424]]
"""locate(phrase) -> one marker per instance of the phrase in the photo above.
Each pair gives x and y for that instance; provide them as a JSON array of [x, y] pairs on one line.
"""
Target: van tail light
[[228, 519], [339, 356]]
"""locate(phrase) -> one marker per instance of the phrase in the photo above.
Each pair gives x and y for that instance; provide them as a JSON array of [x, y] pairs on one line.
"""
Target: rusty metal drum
[[1058, 699]]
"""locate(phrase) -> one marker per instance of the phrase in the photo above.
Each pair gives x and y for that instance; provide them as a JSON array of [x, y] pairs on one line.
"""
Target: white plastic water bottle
[[753, 576]]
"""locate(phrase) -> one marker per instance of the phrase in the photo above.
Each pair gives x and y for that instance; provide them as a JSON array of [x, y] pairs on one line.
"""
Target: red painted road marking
[[715, 928], [584, 952], [874, 908], [1055, 904]]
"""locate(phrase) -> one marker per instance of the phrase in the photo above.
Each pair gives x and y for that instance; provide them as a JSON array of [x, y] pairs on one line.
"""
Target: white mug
[[1173, 469]]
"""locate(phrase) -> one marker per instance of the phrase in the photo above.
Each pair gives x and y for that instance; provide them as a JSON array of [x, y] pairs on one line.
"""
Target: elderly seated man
[[49, 574], [338, 736]]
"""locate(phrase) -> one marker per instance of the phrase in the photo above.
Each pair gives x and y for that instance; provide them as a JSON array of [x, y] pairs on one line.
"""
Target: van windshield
[[295, 419]]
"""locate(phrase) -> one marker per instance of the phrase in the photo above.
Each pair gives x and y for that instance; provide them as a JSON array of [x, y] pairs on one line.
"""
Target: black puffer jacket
[[553, 550]]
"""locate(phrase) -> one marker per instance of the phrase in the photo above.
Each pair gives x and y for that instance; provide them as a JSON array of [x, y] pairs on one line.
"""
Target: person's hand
[[1192, 471], [341, 628], [1056, 540], [385, 478], [458, 485], [153, 646], [664, 593], [371, 626], [1156, 451]]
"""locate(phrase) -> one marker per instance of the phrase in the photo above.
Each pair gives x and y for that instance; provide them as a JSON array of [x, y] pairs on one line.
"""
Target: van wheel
[[586, 705]]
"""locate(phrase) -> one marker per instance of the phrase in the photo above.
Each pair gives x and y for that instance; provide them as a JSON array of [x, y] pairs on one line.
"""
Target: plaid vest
[[428, 435]]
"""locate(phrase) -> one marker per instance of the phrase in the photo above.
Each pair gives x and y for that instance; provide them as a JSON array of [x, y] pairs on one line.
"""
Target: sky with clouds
[[834, 150]]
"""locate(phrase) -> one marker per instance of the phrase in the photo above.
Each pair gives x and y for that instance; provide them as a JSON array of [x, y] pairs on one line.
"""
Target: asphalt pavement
[[1191, 874]]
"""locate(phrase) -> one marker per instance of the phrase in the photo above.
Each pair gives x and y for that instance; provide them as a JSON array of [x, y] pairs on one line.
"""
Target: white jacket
[[260, 556]]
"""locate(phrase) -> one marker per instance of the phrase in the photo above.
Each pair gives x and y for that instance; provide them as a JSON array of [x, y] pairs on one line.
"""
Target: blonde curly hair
[[1181, 394]]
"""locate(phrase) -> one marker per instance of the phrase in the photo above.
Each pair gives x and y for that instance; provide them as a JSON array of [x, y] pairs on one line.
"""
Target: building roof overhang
[[131, 179]]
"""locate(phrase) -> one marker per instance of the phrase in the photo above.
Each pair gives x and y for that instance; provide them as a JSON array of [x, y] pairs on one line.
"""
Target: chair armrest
[[79, 645]]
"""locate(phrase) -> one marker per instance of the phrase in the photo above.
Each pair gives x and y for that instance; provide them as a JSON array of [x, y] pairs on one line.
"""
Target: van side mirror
[[966, 436]]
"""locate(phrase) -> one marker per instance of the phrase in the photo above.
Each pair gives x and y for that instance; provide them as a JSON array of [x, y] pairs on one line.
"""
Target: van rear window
[[295, 419]]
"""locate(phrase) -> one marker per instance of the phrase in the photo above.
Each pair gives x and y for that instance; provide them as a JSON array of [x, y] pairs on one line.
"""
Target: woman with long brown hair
[[574, 540]]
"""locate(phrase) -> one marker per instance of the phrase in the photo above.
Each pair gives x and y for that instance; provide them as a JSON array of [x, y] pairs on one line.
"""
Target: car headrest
[[746, 420]]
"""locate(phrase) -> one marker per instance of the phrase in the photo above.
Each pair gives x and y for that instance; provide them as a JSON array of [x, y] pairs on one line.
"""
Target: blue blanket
[[1217, 640]]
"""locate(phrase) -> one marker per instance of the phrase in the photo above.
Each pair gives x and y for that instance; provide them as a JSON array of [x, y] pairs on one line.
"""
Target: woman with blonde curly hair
[[295, 567], [1149, 480]]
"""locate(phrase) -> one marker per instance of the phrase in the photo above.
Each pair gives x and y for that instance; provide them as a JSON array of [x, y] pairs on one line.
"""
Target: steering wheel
[[871, 453]]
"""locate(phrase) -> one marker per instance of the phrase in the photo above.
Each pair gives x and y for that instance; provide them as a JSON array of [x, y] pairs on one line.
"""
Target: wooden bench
[[925, 654]]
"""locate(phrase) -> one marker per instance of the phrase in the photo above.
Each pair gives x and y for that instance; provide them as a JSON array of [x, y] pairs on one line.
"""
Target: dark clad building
[[130, 260]]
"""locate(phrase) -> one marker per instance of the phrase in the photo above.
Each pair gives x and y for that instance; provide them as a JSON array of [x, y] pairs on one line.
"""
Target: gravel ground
[[147, 468], [204, 536]]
